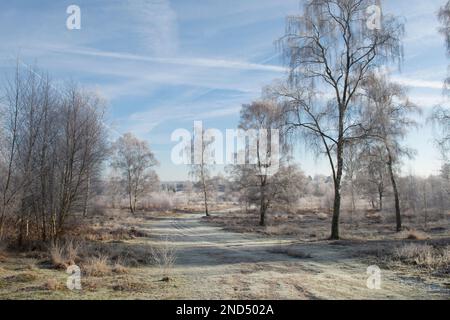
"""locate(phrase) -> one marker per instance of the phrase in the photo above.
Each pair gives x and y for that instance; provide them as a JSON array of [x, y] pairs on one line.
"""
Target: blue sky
[[162, 64]]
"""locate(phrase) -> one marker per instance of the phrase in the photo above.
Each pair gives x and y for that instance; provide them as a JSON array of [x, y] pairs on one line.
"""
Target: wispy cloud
[[169, 116], [418, 83], [192, 62], [155, 24]]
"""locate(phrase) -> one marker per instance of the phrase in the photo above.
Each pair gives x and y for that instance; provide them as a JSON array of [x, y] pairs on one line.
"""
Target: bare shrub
[[164, 256], [161, 201], [423, 256]]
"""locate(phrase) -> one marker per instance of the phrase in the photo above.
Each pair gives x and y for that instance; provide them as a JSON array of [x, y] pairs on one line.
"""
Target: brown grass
[[128, 285], [291, 252], [417, 235], [119, 268], [52, 285], [423, 256], [22, 277], [64, 253], [314, 224], [97, 266], [57, 256]]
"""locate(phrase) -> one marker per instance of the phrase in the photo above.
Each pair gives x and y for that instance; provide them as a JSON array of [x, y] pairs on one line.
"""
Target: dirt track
[[218, 264]]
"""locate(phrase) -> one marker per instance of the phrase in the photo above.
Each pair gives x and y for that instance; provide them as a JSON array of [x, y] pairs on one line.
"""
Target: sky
[[163, 64]]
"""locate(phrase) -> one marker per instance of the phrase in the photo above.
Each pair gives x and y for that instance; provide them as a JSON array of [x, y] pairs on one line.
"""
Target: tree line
[[53, 143]]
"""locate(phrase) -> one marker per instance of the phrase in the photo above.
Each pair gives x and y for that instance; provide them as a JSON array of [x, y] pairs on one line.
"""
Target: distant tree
[[373, 170], [134, 161], [351, 167], [441, 117], [329, 47], [114, 190]]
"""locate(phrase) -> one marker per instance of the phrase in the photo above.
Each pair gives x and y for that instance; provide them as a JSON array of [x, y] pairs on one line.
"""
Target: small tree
[[261, 116], [258, 183], [133, 159], [372, 159]]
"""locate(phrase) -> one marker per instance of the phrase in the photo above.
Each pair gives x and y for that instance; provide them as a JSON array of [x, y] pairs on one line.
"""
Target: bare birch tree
[[134, 161], [330, 48], [257, 183], [200, 167], [389, 117]]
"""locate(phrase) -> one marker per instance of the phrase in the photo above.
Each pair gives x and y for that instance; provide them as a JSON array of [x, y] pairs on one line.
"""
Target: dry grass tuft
[[64, 254], [97, 266], [119, 268], [417, 235], [424, 256], [128, 286], [31, 267], [52, 285], [57, 256]]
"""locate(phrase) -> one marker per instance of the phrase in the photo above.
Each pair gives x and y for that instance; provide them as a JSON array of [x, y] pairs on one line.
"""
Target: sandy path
[[218, 264]]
